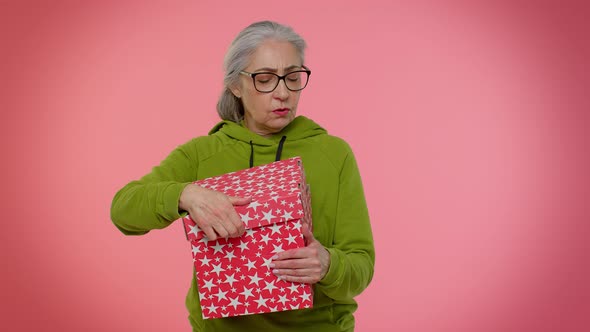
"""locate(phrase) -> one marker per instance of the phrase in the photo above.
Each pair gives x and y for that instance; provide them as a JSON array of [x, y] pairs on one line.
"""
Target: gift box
[[233, 275]]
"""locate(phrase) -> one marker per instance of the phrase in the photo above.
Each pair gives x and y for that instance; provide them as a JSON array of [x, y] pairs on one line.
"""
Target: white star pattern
[[212, 308], [267, 262], [297, 225], [230, 255], [247, 293], [250, 265], [253, 205], [230, 279], [283, 299], [217, 268], [217, 247], [196, 250], [265, 238], [287, 215], [276, 228], [270, 286], [243, 245], [255, 279], [261, 301], [194, 228], [277, 249], [293, 288], [220, 295], [234, 302], [205, 261], [209, 284], [268, 216], [291, 239], [233, 274], [246, 218], [305, 296], [249, 232]]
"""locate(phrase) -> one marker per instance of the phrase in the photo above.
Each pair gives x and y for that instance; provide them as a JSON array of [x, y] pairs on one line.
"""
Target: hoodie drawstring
[[280, 148], [279, 151], [251, 154]]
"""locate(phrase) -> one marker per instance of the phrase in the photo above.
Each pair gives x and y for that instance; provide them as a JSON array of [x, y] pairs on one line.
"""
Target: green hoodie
[[339, 214]]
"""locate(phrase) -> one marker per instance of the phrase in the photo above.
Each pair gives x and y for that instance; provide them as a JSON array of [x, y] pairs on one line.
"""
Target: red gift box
[[233, 275]]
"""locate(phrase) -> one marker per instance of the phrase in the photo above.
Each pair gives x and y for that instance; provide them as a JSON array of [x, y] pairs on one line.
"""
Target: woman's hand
[[213, 211], [307, 265]]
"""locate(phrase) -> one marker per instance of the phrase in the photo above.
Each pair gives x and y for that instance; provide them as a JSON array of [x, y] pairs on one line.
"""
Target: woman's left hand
[[306, 265]]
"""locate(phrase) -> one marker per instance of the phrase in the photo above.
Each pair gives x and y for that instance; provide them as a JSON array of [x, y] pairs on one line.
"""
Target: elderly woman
[[265, 74]]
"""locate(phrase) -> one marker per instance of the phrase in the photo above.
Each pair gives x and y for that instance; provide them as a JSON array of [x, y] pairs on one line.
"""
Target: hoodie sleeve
[[152, 202], [352, 254]]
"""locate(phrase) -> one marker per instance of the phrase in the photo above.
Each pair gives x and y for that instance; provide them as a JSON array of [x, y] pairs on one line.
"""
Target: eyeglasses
[[267, 82]]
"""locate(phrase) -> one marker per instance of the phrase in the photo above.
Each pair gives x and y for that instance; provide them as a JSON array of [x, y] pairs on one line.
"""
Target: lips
[[281, 111]]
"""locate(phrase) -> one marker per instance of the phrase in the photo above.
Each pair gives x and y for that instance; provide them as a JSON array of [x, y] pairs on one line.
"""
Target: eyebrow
[[274, 70]]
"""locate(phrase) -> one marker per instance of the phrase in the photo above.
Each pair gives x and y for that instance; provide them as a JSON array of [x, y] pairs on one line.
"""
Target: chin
[[279, 124]]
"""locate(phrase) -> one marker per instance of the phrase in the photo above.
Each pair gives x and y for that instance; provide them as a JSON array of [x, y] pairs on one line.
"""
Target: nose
[[281, 92]]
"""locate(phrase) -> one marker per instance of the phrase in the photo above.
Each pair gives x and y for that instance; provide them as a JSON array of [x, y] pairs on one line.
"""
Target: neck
[[256, 131]]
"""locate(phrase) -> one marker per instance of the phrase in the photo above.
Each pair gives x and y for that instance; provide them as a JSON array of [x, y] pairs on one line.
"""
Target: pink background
[[470, 124]]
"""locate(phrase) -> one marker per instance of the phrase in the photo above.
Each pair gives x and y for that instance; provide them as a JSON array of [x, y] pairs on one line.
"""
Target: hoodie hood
[[300, 128]]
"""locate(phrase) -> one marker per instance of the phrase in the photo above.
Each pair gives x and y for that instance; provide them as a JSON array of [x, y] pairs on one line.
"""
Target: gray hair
[[237, 58]]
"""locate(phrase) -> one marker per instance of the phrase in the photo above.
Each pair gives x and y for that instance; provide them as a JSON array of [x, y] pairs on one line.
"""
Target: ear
[[236, 91]]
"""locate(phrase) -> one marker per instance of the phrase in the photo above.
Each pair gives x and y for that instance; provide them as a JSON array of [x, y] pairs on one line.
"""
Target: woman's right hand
[[213, 211]]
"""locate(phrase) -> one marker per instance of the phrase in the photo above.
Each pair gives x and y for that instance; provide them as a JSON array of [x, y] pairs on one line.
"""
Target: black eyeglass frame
[[253, 75]]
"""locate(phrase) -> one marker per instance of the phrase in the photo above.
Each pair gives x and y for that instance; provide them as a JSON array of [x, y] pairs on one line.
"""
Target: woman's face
[[268, 113]]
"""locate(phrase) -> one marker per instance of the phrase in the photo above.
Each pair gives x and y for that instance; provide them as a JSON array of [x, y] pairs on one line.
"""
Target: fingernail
[[272, 265], [275, 271], [275, 257]]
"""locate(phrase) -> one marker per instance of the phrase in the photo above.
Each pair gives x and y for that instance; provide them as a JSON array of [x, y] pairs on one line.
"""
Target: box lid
[[278, 190]]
